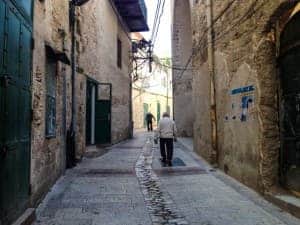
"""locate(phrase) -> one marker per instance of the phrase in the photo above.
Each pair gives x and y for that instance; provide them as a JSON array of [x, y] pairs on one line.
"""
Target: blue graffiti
[[242, 90]]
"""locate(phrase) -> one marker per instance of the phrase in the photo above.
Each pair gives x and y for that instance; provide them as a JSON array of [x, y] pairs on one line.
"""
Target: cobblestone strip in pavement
[[161, 207]]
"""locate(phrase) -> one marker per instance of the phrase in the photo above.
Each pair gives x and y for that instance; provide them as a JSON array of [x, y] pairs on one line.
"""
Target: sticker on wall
[[242, 104]]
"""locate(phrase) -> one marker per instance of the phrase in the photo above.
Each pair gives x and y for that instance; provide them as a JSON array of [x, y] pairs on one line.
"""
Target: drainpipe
[[130, 110], [71, 134], [211, 65]]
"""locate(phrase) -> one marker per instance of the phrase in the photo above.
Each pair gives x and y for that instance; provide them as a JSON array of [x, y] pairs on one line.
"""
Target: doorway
[[15, 106], [158, 112], [290, 105], [98, 113], [91, 87], [146, 110]]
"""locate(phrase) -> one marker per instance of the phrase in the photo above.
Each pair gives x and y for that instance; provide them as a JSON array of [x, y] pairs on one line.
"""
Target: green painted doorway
[[91, 88], [146, 110], [103, 114], [15, 106], [290, 104], [158, 112]]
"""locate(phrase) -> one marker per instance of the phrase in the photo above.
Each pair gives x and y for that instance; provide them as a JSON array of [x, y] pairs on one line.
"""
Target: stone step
[[289, 203], [27, 218]]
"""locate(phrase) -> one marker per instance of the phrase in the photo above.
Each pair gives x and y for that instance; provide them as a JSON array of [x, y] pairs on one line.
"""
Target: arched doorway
[[289, 63]]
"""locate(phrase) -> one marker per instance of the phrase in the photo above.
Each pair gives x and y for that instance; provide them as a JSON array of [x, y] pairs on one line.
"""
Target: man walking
[[149, 119], [167, 133]]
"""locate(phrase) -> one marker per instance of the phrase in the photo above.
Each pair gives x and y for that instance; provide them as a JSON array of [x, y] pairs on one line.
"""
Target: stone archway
[[290, 103], [266, 61], [181, 55]]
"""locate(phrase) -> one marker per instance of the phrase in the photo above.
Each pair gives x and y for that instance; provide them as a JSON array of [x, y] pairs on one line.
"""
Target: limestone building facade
[[152, 92], [244, 87], [36, 70], [182, 81]]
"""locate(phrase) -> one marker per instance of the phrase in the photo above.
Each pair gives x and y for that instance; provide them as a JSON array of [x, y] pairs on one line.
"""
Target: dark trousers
[[166, 148], [149, 125]]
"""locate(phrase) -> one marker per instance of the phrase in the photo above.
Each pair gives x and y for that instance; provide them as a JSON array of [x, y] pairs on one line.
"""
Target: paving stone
[[122, 187]]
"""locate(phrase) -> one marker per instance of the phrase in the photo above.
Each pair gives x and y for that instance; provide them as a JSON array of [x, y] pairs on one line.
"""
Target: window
[[119, 53], [50, 95]]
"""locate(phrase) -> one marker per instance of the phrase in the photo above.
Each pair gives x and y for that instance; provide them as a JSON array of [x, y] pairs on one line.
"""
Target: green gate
[[15, 106], [290, 104], [103, 114]]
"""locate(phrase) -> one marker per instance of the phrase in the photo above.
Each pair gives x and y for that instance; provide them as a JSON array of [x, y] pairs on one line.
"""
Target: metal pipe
[[211, 65], [131, 125], [73, 73]]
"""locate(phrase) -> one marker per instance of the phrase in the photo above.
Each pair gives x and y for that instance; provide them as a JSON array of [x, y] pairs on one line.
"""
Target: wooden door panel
[[26, 5], [15, 110], [103, 122], [2, 27], [13, 44], [25, 59]]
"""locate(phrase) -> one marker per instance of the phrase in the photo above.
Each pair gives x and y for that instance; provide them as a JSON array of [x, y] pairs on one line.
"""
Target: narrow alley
[[126, 184], [149, 112]]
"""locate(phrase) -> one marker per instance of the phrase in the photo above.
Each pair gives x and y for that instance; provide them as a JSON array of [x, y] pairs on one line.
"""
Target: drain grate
[[179, 171], [108, 172], [127, 147], [178, 162]]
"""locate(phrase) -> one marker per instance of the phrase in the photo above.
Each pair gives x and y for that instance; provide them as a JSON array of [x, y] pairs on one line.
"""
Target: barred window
[[50, 95]]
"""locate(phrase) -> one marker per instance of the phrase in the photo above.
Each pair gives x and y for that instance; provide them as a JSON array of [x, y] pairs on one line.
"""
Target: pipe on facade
[[211, 65], [71, 134]]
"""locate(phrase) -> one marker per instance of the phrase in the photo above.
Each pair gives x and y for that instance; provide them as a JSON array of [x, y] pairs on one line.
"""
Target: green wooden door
[[103, 122], [146, 109], [103, 113], [15, 101], [158, 112], [88, 133]]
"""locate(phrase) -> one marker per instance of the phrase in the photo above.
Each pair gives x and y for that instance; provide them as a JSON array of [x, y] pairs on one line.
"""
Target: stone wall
[[182, 79], [244, 67], [48, 154], [98, 59]]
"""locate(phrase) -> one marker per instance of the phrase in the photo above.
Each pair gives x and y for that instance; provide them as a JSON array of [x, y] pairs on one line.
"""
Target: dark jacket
[[149, 117]]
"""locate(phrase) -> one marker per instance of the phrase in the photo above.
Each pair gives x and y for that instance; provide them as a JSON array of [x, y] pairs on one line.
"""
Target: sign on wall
[[242, 104]]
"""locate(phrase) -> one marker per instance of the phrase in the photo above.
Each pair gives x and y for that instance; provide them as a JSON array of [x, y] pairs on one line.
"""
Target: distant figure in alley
[[149, 119], [166, 131]]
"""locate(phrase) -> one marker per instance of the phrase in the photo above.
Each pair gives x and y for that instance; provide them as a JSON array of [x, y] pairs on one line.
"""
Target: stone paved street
[[128, 186]]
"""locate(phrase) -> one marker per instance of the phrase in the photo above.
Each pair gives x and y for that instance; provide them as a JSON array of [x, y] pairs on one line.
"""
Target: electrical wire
[[251, 10], [155, 18], [159, 21]]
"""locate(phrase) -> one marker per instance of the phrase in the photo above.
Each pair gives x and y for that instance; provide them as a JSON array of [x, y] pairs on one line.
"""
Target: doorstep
[[285, 201], [27, 218], [94, 151]]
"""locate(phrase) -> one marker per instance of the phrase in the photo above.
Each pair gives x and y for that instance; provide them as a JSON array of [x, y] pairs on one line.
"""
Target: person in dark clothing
[[149, 119]]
